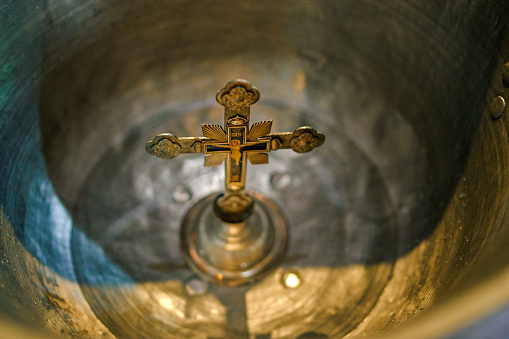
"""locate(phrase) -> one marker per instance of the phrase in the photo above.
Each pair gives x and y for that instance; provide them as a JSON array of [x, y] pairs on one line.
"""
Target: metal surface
[[402, 234], [238, 253]]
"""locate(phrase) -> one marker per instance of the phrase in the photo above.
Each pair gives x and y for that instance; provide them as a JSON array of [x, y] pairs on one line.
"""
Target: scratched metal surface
[[397, 221]]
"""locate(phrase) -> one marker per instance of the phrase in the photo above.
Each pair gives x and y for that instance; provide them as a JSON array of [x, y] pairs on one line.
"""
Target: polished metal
[[399, 222], [233, 253]]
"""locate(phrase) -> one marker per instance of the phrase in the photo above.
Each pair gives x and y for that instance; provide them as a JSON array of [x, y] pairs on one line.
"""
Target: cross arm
[[168, 146], [302, 140]]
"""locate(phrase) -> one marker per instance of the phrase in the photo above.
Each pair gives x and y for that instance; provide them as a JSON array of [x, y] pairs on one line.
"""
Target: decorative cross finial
[[235, 143]]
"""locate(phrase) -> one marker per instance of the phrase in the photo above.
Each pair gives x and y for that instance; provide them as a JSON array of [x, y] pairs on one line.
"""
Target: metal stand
[[233, 253]]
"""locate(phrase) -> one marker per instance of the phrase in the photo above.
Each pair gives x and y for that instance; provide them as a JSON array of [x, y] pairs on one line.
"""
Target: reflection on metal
[[291, 279], [233, 253], [498, 105]]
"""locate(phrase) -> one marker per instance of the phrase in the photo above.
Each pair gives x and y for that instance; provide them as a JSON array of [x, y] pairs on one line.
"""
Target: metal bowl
[[397, 223]]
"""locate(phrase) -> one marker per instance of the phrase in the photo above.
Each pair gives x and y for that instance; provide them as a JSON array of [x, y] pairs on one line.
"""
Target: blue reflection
[[27, 197]]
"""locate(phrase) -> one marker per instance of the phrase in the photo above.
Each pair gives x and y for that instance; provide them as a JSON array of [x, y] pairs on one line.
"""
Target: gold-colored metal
[[236, 241], [235, 144], [233, 253]]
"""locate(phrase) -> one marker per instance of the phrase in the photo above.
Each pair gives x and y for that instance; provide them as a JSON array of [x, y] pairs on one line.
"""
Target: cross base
[[233, 208], [233, 253]]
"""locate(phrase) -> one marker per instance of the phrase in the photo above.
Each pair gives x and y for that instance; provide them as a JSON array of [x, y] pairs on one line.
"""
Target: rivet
[[497, 107], [275, 144], [196, 286], [280, 180], [181, 194], [198, 147], [291, 279]]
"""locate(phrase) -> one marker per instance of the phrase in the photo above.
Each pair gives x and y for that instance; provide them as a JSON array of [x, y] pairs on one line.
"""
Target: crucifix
[[235, 144]]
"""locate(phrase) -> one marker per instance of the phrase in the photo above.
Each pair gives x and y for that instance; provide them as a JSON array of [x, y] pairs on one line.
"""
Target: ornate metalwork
[[164, 146], [235, 144]]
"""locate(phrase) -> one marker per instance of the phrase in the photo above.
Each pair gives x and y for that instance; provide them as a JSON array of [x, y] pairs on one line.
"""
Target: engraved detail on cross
[[236, 143], [234, 146]]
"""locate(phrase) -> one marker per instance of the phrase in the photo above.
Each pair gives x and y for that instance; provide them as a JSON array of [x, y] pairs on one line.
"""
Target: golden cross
[[234, 146], [236, 143]]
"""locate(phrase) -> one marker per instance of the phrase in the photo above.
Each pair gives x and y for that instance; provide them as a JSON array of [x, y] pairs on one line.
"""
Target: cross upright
[[235, 143]]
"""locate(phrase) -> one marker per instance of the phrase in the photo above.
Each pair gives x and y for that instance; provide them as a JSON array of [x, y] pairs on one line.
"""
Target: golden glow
[[166, 303], [292, 280]]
